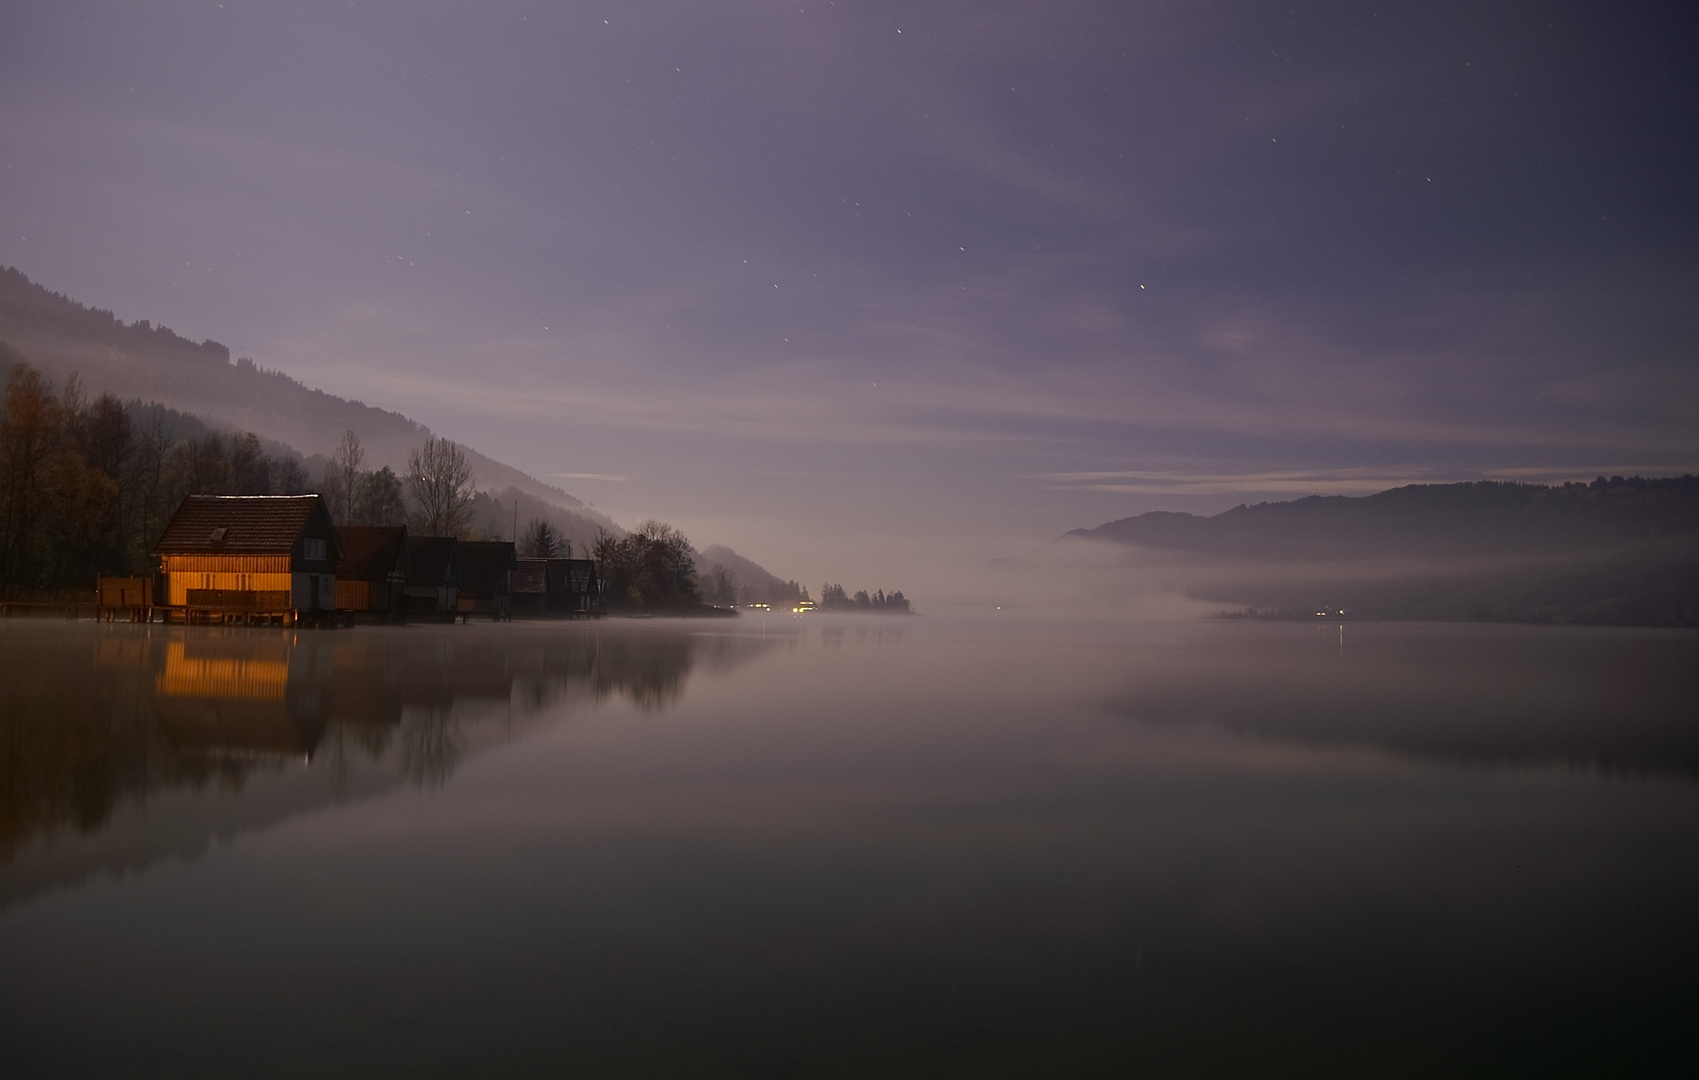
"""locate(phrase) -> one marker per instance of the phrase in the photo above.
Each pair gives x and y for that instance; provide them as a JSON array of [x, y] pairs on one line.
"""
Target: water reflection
[[96, 722], [230, 698], [919, 853], [1593, 700]]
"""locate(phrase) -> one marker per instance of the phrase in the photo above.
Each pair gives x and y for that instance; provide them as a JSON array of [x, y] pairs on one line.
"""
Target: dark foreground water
[[797, 848]]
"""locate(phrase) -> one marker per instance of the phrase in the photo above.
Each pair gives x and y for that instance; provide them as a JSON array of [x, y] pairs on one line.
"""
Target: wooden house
[[530, 590], [247, 558], [372, 577], [574, 587], [561, 588], [433, 577], [486, 578]]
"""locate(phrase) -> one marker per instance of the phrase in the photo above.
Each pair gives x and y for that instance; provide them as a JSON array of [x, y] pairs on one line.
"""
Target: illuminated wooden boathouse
[[249, 559]]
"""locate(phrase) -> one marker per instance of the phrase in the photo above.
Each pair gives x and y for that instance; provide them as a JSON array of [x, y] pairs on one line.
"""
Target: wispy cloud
[[1351, 481]]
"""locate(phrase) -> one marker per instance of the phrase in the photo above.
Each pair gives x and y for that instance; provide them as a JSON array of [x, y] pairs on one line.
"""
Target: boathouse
[[574, 588], [433, 577], [562, 588], [486, 578], [372, 576], [530, 592], [248, 558]]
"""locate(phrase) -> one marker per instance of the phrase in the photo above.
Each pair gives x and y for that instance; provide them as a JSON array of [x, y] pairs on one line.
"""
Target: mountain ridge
[[1614, 551], [1483, 516]]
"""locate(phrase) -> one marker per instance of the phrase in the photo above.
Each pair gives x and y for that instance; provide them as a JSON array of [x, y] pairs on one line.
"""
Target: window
[[313, 549]]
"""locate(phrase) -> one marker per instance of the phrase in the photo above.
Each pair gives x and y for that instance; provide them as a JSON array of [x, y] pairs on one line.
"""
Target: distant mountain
[[1430, 519], [1613, 551], [152, 363], [751, 575]]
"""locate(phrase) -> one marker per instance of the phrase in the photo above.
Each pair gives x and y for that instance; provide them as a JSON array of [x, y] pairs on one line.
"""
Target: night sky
[[850, 286]]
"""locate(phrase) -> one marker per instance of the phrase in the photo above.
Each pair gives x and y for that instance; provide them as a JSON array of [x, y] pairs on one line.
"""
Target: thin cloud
[[1355, 481]]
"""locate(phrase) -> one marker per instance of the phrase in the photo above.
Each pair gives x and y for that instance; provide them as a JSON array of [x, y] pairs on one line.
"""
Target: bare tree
[[342, 476], [440, 482], [153, 447], [289, 477]]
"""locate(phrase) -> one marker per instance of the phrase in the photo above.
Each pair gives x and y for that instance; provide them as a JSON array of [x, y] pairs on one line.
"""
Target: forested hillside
[[150, 363], [728, 578]]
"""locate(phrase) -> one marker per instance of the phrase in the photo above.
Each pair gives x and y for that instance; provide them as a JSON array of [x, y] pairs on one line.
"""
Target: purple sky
[[843, 284]]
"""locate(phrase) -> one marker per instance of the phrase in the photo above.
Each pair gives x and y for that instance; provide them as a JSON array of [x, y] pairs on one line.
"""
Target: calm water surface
[[796, 848]]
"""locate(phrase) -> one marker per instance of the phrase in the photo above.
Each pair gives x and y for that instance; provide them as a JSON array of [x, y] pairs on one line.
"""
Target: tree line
[[88, 484], [834, 598], [651, 568]]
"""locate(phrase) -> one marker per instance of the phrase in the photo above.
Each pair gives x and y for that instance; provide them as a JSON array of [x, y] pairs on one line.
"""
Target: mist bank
[[1618, 551]]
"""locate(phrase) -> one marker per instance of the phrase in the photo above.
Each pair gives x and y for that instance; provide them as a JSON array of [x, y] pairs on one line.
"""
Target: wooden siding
[[225, 564], [270, 601], [125, 591], [353, 595], [177, 592]]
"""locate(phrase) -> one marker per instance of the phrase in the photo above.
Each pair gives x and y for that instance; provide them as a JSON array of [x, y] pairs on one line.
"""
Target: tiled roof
[[370, 552], [532, 576], [237, 525]]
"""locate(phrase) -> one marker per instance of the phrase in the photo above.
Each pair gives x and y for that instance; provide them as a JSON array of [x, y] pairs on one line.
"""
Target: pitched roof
[[237, 525], [571, 575], [532, 576], [370, 552]]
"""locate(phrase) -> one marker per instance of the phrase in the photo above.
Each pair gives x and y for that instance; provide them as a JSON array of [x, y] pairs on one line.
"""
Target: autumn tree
[[29, 419], [56, 521]]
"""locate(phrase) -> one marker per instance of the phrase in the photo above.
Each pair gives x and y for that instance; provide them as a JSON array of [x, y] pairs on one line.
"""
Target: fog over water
[[841, 846]]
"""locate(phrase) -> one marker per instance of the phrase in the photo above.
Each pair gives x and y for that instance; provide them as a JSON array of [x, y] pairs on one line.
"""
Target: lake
[[832, 847]]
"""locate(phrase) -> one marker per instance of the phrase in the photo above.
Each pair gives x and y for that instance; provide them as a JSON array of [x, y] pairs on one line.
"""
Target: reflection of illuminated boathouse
[[249, 558], [219, 697]]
